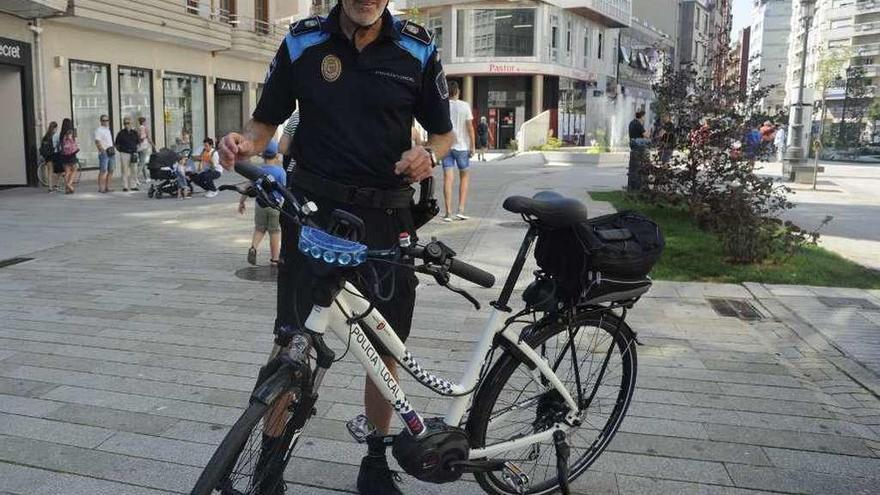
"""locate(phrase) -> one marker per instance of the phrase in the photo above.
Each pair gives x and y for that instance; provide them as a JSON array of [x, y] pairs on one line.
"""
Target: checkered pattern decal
[[436, 384]]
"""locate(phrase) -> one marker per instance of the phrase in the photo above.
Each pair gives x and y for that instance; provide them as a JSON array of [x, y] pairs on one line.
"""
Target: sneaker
[[124, 189], [447, 218], [462, 216], [252, 256], [210, 194], [376, 478], [135, 189]]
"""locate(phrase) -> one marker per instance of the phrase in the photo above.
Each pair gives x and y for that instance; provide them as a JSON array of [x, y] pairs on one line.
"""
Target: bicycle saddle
[[549, 208]]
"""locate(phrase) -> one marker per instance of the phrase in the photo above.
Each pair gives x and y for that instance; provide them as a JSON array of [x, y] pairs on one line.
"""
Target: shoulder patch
[[416, 32], [303, 26]]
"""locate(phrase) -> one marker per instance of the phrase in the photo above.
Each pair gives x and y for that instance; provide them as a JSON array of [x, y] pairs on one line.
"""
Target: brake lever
[[463, 293]]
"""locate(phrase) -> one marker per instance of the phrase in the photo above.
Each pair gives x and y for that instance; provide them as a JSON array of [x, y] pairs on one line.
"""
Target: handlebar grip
[[249, 171], [471, 273]]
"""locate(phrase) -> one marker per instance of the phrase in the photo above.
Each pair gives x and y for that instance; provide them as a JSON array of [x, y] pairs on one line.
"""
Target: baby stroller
[[161, 168]]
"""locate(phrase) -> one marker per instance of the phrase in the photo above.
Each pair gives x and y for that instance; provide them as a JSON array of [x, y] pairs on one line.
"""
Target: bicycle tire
[[223, 462], [501, 373]]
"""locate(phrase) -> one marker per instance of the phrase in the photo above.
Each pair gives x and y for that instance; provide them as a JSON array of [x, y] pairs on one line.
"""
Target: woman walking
[[126, 144], [144, 150], [49, 152], [67, 150], [482, 139]]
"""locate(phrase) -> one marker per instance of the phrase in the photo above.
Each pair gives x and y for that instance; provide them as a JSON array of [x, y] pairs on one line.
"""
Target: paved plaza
[[128, 346]]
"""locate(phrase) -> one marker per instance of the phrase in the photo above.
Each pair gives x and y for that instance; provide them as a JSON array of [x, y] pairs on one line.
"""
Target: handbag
[[110, 150]]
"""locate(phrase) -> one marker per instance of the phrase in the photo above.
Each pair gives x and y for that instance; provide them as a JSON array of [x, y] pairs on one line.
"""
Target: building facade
[[516, 59], [192, 68], [738, 66], [704, 36], [768, 50]]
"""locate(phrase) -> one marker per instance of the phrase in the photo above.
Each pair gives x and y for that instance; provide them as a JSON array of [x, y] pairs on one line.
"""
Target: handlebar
[[435, 254]]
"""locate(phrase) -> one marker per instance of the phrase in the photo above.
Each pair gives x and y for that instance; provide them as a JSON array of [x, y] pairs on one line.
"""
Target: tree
[[855, 104], [713, 171], [829, 70]]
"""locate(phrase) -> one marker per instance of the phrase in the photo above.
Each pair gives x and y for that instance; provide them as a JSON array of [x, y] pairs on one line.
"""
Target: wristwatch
[[433, 156]]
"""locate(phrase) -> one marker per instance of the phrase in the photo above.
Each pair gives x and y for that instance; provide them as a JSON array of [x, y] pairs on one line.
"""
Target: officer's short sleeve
[[432, 107], [279, 97]]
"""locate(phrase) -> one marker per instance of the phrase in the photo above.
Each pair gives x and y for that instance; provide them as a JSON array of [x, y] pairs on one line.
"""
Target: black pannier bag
[[616, 250]]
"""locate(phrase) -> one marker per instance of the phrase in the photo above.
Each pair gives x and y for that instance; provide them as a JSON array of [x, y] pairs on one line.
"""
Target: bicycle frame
[[349, 302]]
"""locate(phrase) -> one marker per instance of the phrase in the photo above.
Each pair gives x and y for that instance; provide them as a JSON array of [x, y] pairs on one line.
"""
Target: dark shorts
[[383, 228]]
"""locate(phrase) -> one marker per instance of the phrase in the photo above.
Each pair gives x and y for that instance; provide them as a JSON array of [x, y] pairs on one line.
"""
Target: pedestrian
[[460, 155], [106, 154], [67, 150], [665, 138], [181, 173], [285, 144], [126, 148], [752, 143], [144, 150], [267, 219], [208, 169], [780, 142], [638, 141], [482, 138], [354, 152], [768, 132], [49, 152]]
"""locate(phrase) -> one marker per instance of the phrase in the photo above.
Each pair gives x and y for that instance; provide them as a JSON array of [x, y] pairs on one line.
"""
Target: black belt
[[367, 197]]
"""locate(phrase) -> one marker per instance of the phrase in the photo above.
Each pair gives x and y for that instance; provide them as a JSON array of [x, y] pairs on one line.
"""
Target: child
[[267, 219], [180, 170]]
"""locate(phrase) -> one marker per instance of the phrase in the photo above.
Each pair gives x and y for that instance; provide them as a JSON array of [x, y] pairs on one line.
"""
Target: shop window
[[504, 32], [184, 111], [136, 95], [89, 99]]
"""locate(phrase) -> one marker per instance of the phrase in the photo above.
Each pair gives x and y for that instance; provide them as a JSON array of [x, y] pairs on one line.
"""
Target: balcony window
[[435, 25], [587, 44], [568, 39], [136, 95], [261, 16], [228, 11], [192, 7], [89, 99], [495, 33], [184, 110], [601, 46]]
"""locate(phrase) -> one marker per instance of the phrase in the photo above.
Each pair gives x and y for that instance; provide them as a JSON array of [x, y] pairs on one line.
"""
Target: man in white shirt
[[106, 154], [459, 155]]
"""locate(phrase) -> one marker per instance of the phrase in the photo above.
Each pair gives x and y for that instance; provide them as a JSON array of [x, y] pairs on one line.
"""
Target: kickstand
[[563, 451]]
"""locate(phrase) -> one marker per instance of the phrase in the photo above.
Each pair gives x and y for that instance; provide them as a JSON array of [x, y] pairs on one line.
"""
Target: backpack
[[68, 146], [47, 149]]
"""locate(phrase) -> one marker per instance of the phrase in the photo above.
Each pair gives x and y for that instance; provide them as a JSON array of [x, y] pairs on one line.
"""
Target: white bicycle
[[544, 392]]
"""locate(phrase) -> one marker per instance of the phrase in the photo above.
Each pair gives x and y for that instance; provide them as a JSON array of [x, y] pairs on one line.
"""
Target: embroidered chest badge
[[331, 68]]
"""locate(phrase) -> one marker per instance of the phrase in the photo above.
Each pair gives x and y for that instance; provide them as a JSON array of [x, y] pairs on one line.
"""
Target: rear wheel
[[514, 402], [252, 457]]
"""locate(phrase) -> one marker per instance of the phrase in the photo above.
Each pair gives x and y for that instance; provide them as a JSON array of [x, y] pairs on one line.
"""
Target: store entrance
[[506, 130], [13, 165], [228, 107]]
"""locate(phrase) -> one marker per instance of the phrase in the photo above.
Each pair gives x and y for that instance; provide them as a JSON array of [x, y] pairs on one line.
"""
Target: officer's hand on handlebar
[[233, 147], [415, 164]]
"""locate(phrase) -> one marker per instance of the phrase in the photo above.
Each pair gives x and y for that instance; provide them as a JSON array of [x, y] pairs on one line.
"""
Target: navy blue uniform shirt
[[356, 108]]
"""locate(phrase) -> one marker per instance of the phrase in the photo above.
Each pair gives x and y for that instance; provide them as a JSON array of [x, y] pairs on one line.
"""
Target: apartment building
[[519, 58], [645, 47], [192, 68], [704, 35], [738, 62], [768, 49]]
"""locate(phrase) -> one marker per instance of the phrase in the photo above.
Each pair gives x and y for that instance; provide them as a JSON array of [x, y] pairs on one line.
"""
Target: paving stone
[[24, 388], [23, 480], [829, 443], [805, 482], [27, 406], [160, 449], [841, 465], [638, 485], [689, 449], [113, 419], [53, 431], [663, 467], [91, 463]]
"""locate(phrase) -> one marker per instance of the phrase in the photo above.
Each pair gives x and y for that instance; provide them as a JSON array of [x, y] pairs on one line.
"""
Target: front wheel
[[514, 402], [251, 458]]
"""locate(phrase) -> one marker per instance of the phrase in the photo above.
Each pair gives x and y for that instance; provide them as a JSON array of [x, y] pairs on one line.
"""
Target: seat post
[[515, 270]]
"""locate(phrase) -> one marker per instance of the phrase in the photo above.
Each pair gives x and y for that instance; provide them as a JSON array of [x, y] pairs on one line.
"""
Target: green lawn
[[692, 254]]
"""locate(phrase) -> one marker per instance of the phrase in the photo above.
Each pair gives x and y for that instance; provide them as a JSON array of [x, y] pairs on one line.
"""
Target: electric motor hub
[[428, 457]]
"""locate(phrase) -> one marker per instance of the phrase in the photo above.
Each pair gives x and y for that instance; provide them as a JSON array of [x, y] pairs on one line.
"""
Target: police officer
[[360, 77]]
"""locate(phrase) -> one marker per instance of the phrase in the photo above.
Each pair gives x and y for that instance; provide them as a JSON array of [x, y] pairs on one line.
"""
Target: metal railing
[[868, 26], [237, 21], [868, 6]]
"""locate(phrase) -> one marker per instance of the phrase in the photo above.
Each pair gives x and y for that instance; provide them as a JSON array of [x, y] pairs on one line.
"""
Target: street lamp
[[795, 154]]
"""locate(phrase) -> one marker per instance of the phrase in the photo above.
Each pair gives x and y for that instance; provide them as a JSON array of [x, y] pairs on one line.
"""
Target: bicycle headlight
[[330, 249]]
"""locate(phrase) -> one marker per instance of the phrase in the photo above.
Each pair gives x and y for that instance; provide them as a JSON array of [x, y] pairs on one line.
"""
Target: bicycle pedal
[[360, 428], [515, 477]]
